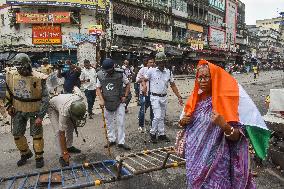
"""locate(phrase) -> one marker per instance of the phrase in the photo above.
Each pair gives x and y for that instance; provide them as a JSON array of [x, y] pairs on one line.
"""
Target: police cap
[[108, 64]]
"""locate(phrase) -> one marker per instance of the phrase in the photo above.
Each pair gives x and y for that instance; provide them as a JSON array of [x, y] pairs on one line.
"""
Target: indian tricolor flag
[[230, 100]]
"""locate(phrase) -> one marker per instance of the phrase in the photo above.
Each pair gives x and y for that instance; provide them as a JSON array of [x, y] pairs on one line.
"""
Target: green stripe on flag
[[259, 139]]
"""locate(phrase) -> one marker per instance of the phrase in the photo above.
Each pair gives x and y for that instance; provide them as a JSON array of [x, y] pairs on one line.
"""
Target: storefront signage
[[56, 17], [72, 40], [90, 4], [216, 38], [218, 4], [179, 24], [195, 27], [50, 34], [95, 29], [196, 44]]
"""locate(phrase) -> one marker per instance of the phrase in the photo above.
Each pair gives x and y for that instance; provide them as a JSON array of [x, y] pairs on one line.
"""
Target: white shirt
[[90, 74], [141, 74], [124, 80], [159, 80]]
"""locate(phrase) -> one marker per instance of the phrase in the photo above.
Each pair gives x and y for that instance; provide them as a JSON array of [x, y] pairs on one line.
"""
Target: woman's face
[[204, 78]]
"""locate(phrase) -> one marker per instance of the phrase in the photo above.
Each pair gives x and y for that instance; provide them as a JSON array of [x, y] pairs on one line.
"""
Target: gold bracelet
[[232, 132]]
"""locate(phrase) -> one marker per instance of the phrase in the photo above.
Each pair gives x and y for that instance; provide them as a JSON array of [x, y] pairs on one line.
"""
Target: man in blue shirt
[[71, 76]]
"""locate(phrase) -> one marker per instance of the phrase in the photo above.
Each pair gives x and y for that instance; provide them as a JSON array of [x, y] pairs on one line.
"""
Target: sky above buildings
[[262, 9], [255, 9]]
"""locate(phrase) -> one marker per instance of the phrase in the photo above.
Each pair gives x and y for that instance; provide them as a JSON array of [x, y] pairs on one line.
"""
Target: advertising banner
[[89, 4], [36, 18], [95, 29], [44, 35], [216, 38]]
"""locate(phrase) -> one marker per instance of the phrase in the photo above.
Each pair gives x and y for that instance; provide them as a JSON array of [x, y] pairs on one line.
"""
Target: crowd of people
[[218, 120]]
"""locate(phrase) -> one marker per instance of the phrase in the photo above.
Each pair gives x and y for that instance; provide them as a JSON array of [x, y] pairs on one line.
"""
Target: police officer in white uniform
[[112, 96], [65, 113], [159, 77]]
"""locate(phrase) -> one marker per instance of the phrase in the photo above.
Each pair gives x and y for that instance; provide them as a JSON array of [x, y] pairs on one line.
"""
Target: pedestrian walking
[[159, 78], [144, 99], [28, 99], [112, 97], [255, 71], [88, 79], [215, 118], [66, 113], [71, 76], [128, 72]]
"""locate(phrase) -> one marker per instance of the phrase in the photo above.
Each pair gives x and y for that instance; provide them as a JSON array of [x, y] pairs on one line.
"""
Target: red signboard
[[55, 17], [50, 34]]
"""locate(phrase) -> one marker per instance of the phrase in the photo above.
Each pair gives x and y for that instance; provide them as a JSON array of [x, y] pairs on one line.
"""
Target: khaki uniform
[[46, 69], [29, 97]]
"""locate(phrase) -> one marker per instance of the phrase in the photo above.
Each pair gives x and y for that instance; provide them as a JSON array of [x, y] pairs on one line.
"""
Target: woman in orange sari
[[216, 150]]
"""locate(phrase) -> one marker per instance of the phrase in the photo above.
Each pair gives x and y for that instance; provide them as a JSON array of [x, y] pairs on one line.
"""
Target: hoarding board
[[46, 34], [89, 4], [216, 38], [36, 18]]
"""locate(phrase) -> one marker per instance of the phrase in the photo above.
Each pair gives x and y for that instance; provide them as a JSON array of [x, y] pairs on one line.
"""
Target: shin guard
[[22, 144], [38, 143]]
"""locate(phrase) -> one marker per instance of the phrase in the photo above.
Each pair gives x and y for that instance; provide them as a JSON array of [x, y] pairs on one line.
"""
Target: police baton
[[105, 129]]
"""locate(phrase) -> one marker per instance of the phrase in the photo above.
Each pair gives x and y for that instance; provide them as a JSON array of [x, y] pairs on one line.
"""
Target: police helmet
[[108, 64], [21, 59], [78, 110], [160, 57]]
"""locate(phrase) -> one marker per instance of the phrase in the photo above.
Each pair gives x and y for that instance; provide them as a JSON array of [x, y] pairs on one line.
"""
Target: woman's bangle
[[232, 132]]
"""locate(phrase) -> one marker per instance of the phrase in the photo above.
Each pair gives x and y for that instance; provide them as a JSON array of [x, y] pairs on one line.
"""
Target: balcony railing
[[124, 30], [157, 34]]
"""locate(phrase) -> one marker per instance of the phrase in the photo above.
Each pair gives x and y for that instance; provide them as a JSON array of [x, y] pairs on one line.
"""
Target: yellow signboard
[[91, 4], [46, 41], [195, 27]]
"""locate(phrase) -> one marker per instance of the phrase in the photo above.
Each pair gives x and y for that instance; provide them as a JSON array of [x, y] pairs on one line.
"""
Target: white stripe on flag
[[248, 112]]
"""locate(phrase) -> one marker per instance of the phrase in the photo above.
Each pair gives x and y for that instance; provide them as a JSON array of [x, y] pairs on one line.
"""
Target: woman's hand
[[185, 121], [218, 119]]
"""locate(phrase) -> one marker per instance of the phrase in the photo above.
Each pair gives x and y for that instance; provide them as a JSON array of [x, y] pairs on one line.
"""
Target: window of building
[[42, 10], [3, 19]]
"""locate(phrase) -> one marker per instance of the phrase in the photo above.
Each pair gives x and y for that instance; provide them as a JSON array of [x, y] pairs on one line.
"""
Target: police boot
[[39, 162], [22, 145], [24, 159], [38, 148], [153, 138]]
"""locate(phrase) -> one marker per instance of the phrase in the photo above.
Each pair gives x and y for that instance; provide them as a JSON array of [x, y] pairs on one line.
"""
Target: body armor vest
[[112, 89], [25, 92]]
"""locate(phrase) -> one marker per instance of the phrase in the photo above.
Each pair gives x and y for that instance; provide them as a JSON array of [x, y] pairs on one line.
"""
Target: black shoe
[[24, 159], [63, 163], [153, 138], [164, 138], [39, 162], [110, 144], [90, 116], [124, 146], [73, 150]]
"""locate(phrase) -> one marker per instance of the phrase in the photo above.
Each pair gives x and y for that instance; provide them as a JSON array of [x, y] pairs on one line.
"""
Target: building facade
[[58, 32], [186, 30]]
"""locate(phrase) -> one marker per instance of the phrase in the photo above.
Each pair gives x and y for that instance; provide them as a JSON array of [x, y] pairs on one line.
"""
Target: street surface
[[92, 150]]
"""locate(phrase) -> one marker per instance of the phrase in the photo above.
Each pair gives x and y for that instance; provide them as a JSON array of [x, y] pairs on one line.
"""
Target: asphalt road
[[92, 150]]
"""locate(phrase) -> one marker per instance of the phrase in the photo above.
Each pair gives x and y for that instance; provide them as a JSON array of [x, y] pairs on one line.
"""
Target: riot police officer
[[26, 99], [112, 96], [66, 113]]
